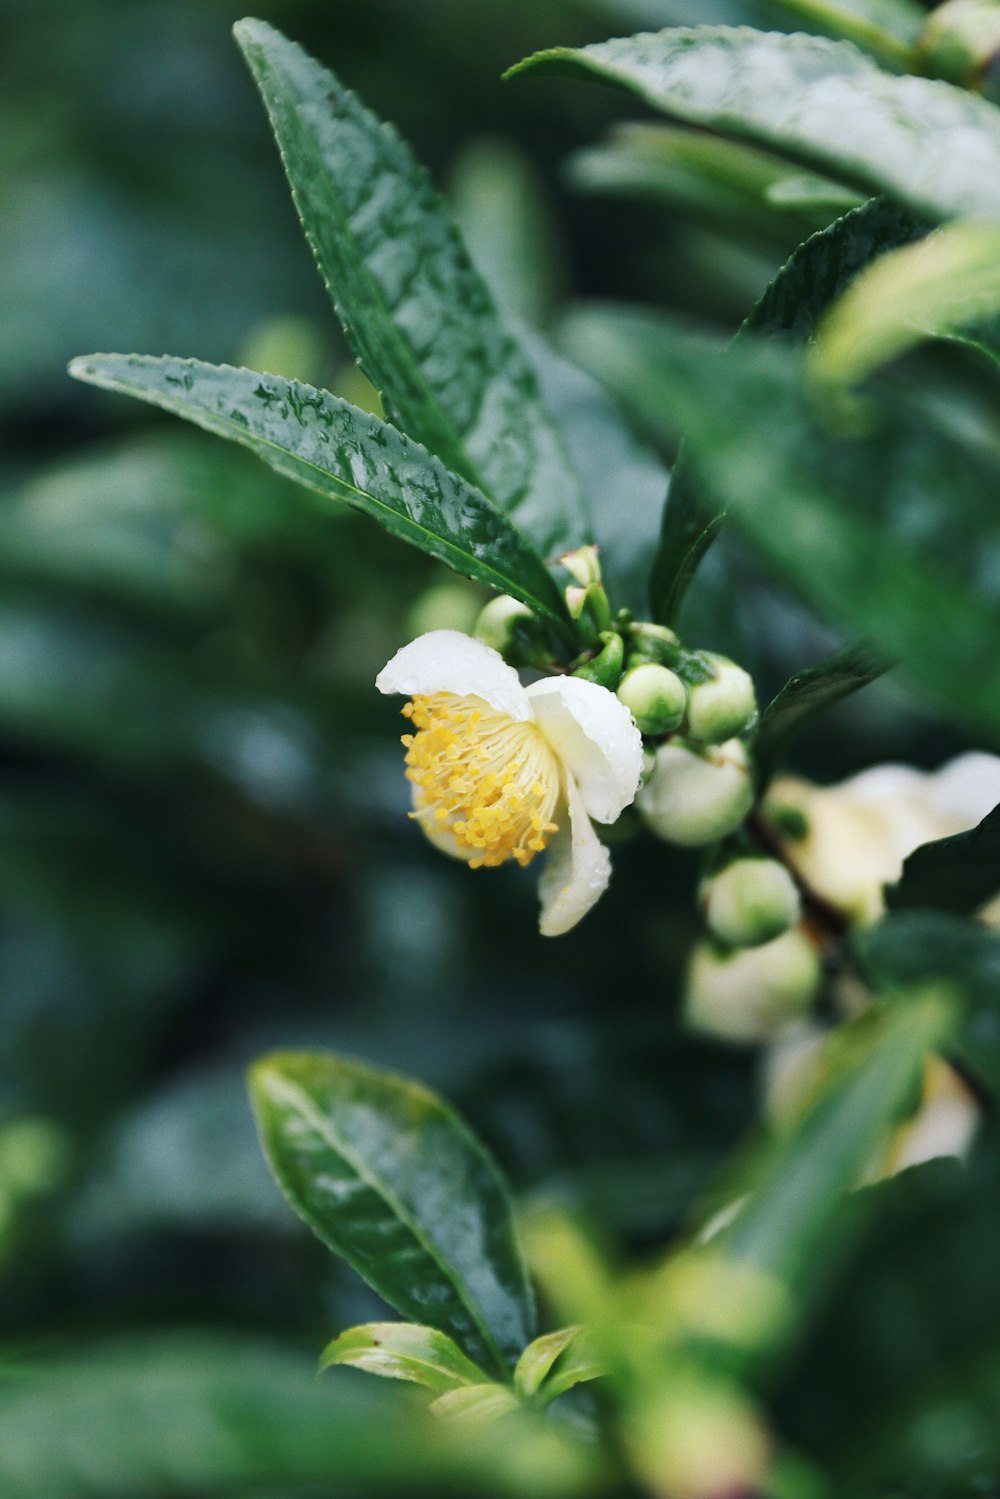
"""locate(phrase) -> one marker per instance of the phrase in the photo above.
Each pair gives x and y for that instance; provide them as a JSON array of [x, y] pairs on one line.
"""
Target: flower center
[[489, 781]]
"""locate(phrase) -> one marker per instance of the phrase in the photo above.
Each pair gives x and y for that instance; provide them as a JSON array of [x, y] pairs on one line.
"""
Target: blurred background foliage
[[204, 846]]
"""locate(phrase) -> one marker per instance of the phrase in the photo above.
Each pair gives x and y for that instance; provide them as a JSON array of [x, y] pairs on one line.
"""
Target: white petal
[[596, 739], [448, 661], [965, 790], [577, 869]]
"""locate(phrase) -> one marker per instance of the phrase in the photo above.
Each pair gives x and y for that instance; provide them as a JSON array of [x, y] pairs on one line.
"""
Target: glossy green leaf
[[946, 282], [805, 695], [535, 1363], [391, 1179], [625, 479], [832, 514], [786, 1226], [959, 874], [821, 103], [417, 314], [816, 273], [913, 947], [690, 523], [827, 263], [404, 1350], [346, 454]]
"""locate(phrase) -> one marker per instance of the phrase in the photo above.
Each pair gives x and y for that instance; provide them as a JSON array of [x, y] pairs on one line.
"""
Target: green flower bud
[[510, 628], [584, 565], [655, 696], [748, 994], [961, 42], [605, 668], [697, 793], [723, 706], [750, 901]]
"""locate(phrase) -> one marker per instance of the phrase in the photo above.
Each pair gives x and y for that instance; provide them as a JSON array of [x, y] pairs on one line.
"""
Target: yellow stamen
[[489, 781]]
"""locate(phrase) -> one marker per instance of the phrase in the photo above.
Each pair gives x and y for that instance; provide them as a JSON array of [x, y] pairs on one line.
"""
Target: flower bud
[[655, 696], [722, 706], [510, 628], [749, 993], [697, 793], [584, 565], [750, 901], [605, 667], [961, 42]]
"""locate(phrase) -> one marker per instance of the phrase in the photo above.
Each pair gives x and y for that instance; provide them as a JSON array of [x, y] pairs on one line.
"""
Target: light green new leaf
[[537, 1359], [946, 282], [831, 514], [785, 1227], [475, 1406], [391, 1179], [417, 314], [821, 103], [960, 873], [346, 454], [805, 695], [404, 1350]]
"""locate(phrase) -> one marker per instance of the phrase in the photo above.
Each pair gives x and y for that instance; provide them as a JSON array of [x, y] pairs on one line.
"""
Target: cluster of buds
[[691, 706]]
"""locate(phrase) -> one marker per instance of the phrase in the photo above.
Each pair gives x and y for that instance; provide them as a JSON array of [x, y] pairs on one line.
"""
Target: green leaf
[[404, 1350], [417, 314], [919, 946], [958, 874], [804, 696], [689, 526], [826, 264], [391, 1179], [556, 1363], [196, 1415], [946, 282], [786, 1227], [200, 1416], [832, 514], [625, 479], [476, 1405], [820, 103], [346, 454], [817, 273], [729, 186], [535, 1363], [886, 28]]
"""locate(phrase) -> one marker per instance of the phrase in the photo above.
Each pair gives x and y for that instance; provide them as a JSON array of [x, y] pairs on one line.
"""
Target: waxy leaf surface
[[337, 450], [805, 695], [958, 874], [821, 103], [415, 310], [814, 276], [834, 514], [393, 1181]]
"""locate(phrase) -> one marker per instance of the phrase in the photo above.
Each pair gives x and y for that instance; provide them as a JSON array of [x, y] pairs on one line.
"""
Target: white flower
[[501, 771], [859, 833]]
